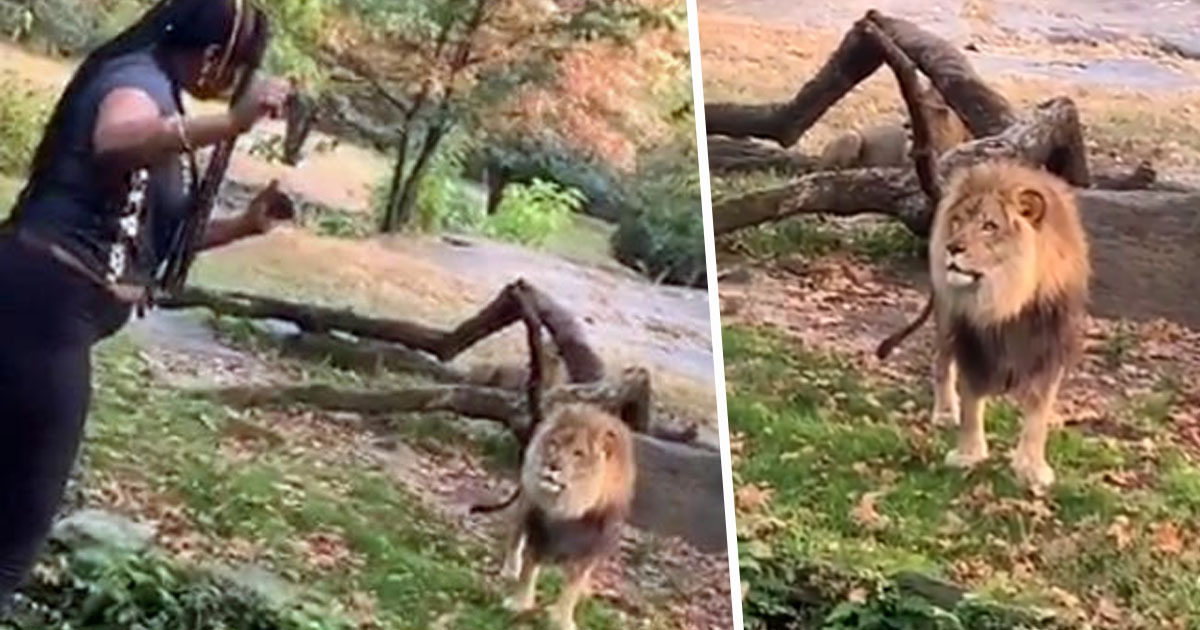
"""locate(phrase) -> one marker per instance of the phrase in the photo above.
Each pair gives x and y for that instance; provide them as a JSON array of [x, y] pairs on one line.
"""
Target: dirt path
[[1175, 23]]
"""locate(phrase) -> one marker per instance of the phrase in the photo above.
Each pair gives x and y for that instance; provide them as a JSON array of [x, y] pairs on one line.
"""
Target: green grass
[[10, 187], [821, 437], [414, 565], [584, 239]]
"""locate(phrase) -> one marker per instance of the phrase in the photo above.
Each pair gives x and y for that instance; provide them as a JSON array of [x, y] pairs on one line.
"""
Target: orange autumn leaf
[[866, 512], [752, 498], [1167, 539]]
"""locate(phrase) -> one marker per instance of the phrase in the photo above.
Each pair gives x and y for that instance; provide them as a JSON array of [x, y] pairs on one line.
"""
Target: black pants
[[50, 317]]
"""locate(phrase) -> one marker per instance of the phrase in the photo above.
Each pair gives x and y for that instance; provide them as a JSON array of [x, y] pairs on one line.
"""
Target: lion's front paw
[[562, 620], [946, 412], [1032, 471], [966, 459], [511, 569], [518, 604]]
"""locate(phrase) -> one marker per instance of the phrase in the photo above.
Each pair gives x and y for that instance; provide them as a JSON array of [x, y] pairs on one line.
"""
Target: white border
[[714, 313]]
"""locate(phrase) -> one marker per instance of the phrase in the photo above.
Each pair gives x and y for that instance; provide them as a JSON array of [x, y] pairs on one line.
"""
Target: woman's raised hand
[[265, 97], [269, 208]]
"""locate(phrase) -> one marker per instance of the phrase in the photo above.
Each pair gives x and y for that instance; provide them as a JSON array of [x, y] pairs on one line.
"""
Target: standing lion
[[1008, 260], [576, 491]]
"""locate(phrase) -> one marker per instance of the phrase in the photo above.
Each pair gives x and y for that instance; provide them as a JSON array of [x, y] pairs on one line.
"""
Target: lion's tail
[[481, 508], [895, 339]]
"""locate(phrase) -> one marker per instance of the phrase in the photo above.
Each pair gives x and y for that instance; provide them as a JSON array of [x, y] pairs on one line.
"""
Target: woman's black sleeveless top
[[82, 207]]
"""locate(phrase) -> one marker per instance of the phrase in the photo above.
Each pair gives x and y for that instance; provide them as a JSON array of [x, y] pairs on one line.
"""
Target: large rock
[[1145, 250], [680, 493], [98, 528]]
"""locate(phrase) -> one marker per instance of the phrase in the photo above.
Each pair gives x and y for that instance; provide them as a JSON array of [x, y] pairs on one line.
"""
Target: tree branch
[[924, 158]]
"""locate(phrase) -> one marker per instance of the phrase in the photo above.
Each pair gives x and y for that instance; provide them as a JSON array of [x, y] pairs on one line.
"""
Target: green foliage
[[98, 589], [70, 27], [662, 234], [444, 199], [530, 213], [791, 592], [812, 236], [23, 112], [339, 223], [547, 157], [298, 25], [623, 21]]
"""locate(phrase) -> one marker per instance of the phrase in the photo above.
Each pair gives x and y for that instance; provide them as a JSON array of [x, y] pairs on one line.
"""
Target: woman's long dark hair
[[169, 25]]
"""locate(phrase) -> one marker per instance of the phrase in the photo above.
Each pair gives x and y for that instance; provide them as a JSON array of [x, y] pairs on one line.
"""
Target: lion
[[516, 376], [888, 144], [1009, 267], [576, 491]]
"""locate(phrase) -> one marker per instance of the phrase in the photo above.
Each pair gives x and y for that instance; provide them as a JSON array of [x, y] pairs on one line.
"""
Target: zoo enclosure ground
[[834, 456]]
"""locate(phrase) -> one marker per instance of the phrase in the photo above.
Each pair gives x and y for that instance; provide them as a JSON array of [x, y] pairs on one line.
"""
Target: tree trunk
[[388, 222], [497, 179], [406, 203]]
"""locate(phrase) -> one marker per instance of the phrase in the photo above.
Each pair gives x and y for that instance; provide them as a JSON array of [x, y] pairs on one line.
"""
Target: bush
[[97, 589], [662, 235], [23, 112], [446, 201], [530, 213], [790, 592], [526, 158], [69, 27]]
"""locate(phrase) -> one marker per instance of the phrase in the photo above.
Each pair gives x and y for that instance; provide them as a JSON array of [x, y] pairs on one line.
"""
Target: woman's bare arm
[[130, 131], [225, 230]]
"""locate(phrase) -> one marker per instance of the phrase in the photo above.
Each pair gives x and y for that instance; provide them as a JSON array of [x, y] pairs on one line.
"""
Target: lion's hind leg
[[578, 574]]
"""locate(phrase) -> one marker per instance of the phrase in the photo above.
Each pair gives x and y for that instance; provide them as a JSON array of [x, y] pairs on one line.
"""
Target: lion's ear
[[609, 443], [1032, 204]]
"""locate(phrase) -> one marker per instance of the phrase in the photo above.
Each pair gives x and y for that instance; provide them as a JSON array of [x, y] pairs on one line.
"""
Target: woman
[[101, 213]]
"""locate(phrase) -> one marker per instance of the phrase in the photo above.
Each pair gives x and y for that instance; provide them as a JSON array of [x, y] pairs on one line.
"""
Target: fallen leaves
[[752, 498], [866, 512], [1167, 538], [325, 551]]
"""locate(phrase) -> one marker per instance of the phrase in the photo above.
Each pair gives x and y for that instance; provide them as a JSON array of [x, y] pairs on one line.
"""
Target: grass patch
[[406, 559], [582, 239], [856, 480], [23, 111], [10, 187]]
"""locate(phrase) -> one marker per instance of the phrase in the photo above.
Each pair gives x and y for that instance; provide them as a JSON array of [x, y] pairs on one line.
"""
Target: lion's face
[[566, 471], [984, 250]]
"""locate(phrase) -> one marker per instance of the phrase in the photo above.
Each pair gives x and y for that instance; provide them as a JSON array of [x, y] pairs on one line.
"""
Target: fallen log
[[627, 397], [679, 487], [1048, 135], [581, 362], [740, 155], [985, 111]]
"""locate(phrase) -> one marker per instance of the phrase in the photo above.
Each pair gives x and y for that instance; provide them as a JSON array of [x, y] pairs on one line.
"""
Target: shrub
[[97, 588], [530, 213], [23, 112], [662, 233]]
